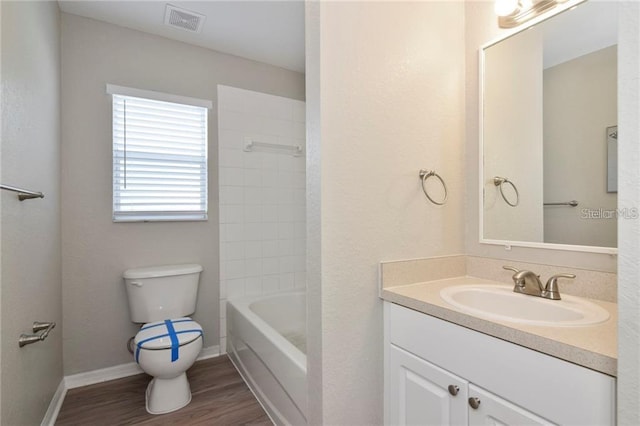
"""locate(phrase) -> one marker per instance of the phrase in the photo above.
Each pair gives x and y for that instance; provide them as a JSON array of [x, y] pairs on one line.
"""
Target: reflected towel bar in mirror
[[572, 203], [23, 194]]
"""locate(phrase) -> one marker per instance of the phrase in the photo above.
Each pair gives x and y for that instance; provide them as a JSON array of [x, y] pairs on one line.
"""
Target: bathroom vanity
[[462, 343], [465, 345], [444, 366]]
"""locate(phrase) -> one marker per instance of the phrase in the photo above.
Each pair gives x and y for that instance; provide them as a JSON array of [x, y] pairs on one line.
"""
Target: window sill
[[149, 219]]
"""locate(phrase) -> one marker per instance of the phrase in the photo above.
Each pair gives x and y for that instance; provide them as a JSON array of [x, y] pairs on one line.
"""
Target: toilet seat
[[169, 334]]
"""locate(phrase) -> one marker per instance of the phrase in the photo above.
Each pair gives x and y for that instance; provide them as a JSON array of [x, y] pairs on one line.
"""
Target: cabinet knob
[[474, 403], [453, 390]]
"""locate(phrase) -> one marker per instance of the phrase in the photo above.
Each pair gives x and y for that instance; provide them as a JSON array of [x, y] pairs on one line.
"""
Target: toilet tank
[[162, 292]]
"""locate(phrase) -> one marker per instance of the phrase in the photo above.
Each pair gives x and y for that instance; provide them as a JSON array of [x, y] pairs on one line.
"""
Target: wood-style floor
[[219, 397]]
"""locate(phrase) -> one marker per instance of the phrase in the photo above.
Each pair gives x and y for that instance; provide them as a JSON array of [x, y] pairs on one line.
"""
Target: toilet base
[[167, 395]]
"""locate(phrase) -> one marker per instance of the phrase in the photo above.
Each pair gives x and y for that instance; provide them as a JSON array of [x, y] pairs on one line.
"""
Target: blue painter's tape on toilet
[[167, 334], [175, 344]]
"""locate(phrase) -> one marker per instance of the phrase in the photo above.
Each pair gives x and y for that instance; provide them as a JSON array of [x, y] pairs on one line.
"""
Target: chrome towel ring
[[426, 174], [499, 181]]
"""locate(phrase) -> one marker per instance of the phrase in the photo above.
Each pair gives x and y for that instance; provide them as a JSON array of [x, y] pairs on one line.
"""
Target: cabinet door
[[423, 394], [491, 410]]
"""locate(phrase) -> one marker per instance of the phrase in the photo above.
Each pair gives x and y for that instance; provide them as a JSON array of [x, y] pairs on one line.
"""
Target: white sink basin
[[501, 303]]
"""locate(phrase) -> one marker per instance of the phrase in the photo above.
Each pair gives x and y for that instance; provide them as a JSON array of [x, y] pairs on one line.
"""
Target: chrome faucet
[[527, 282]]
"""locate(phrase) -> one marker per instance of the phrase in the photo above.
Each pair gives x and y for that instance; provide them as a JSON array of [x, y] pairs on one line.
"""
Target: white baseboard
[[54, 406], [122, 370], [103, 375]]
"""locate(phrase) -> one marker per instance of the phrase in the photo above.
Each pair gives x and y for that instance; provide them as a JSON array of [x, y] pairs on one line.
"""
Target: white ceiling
[[265, 31]]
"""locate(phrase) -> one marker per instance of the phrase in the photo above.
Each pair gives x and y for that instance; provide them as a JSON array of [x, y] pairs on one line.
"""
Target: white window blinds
[[159, 159]]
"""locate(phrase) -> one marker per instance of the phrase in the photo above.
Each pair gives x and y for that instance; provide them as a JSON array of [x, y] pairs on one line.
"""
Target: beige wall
[[628, 393], [385, 98], [481, 26], [512, 138], [580, 102], [30, 241], [97, 251]]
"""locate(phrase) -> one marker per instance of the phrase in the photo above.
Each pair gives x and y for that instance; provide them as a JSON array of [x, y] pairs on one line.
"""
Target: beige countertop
[[594, 347]]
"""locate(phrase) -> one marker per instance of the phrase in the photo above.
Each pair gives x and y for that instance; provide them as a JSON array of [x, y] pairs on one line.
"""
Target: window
[[159, 156]]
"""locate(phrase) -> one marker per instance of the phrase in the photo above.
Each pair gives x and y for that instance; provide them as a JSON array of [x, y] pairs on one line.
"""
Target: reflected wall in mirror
[[549, 100]]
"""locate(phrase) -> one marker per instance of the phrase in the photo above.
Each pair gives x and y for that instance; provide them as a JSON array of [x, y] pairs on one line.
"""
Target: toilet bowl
[[162, 298], [166, 350]]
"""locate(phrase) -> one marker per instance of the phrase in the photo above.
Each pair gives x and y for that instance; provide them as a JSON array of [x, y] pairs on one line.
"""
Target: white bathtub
[[266, 340]]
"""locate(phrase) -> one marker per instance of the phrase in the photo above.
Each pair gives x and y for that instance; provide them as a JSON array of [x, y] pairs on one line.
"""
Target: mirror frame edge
[[507, 243]]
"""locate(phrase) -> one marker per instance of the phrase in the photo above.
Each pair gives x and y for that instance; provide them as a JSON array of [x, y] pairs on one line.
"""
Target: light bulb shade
[[505, 7], [526, 4]]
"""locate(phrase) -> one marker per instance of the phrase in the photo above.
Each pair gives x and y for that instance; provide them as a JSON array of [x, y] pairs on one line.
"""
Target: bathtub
[[266, 340]]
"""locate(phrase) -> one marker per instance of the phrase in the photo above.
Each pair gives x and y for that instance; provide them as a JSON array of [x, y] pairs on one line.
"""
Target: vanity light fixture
[[512, 13], [505, 7]]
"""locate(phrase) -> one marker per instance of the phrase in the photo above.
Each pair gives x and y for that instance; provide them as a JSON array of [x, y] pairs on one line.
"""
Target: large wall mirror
[[549, 133]]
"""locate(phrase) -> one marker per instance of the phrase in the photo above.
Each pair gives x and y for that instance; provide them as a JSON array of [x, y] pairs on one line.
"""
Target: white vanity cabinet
[[490, 409], [436, 370], [424, 394]]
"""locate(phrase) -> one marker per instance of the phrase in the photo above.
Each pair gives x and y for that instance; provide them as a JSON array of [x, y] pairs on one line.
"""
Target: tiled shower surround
[[262, 196]]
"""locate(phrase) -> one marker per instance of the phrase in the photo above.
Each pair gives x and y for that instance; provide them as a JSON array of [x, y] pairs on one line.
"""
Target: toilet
[[162, 298]]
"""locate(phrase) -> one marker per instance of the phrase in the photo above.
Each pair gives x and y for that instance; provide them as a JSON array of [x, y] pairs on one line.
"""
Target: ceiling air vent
[[183, 19]]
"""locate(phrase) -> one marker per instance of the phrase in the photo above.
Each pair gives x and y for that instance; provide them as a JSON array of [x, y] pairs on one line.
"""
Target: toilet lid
[[165, 334]]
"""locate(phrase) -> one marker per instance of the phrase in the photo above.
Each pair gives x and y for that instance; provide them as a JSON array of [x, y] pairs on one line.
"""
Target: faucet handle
[[518, 276], [552, 285], [511, 268]]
